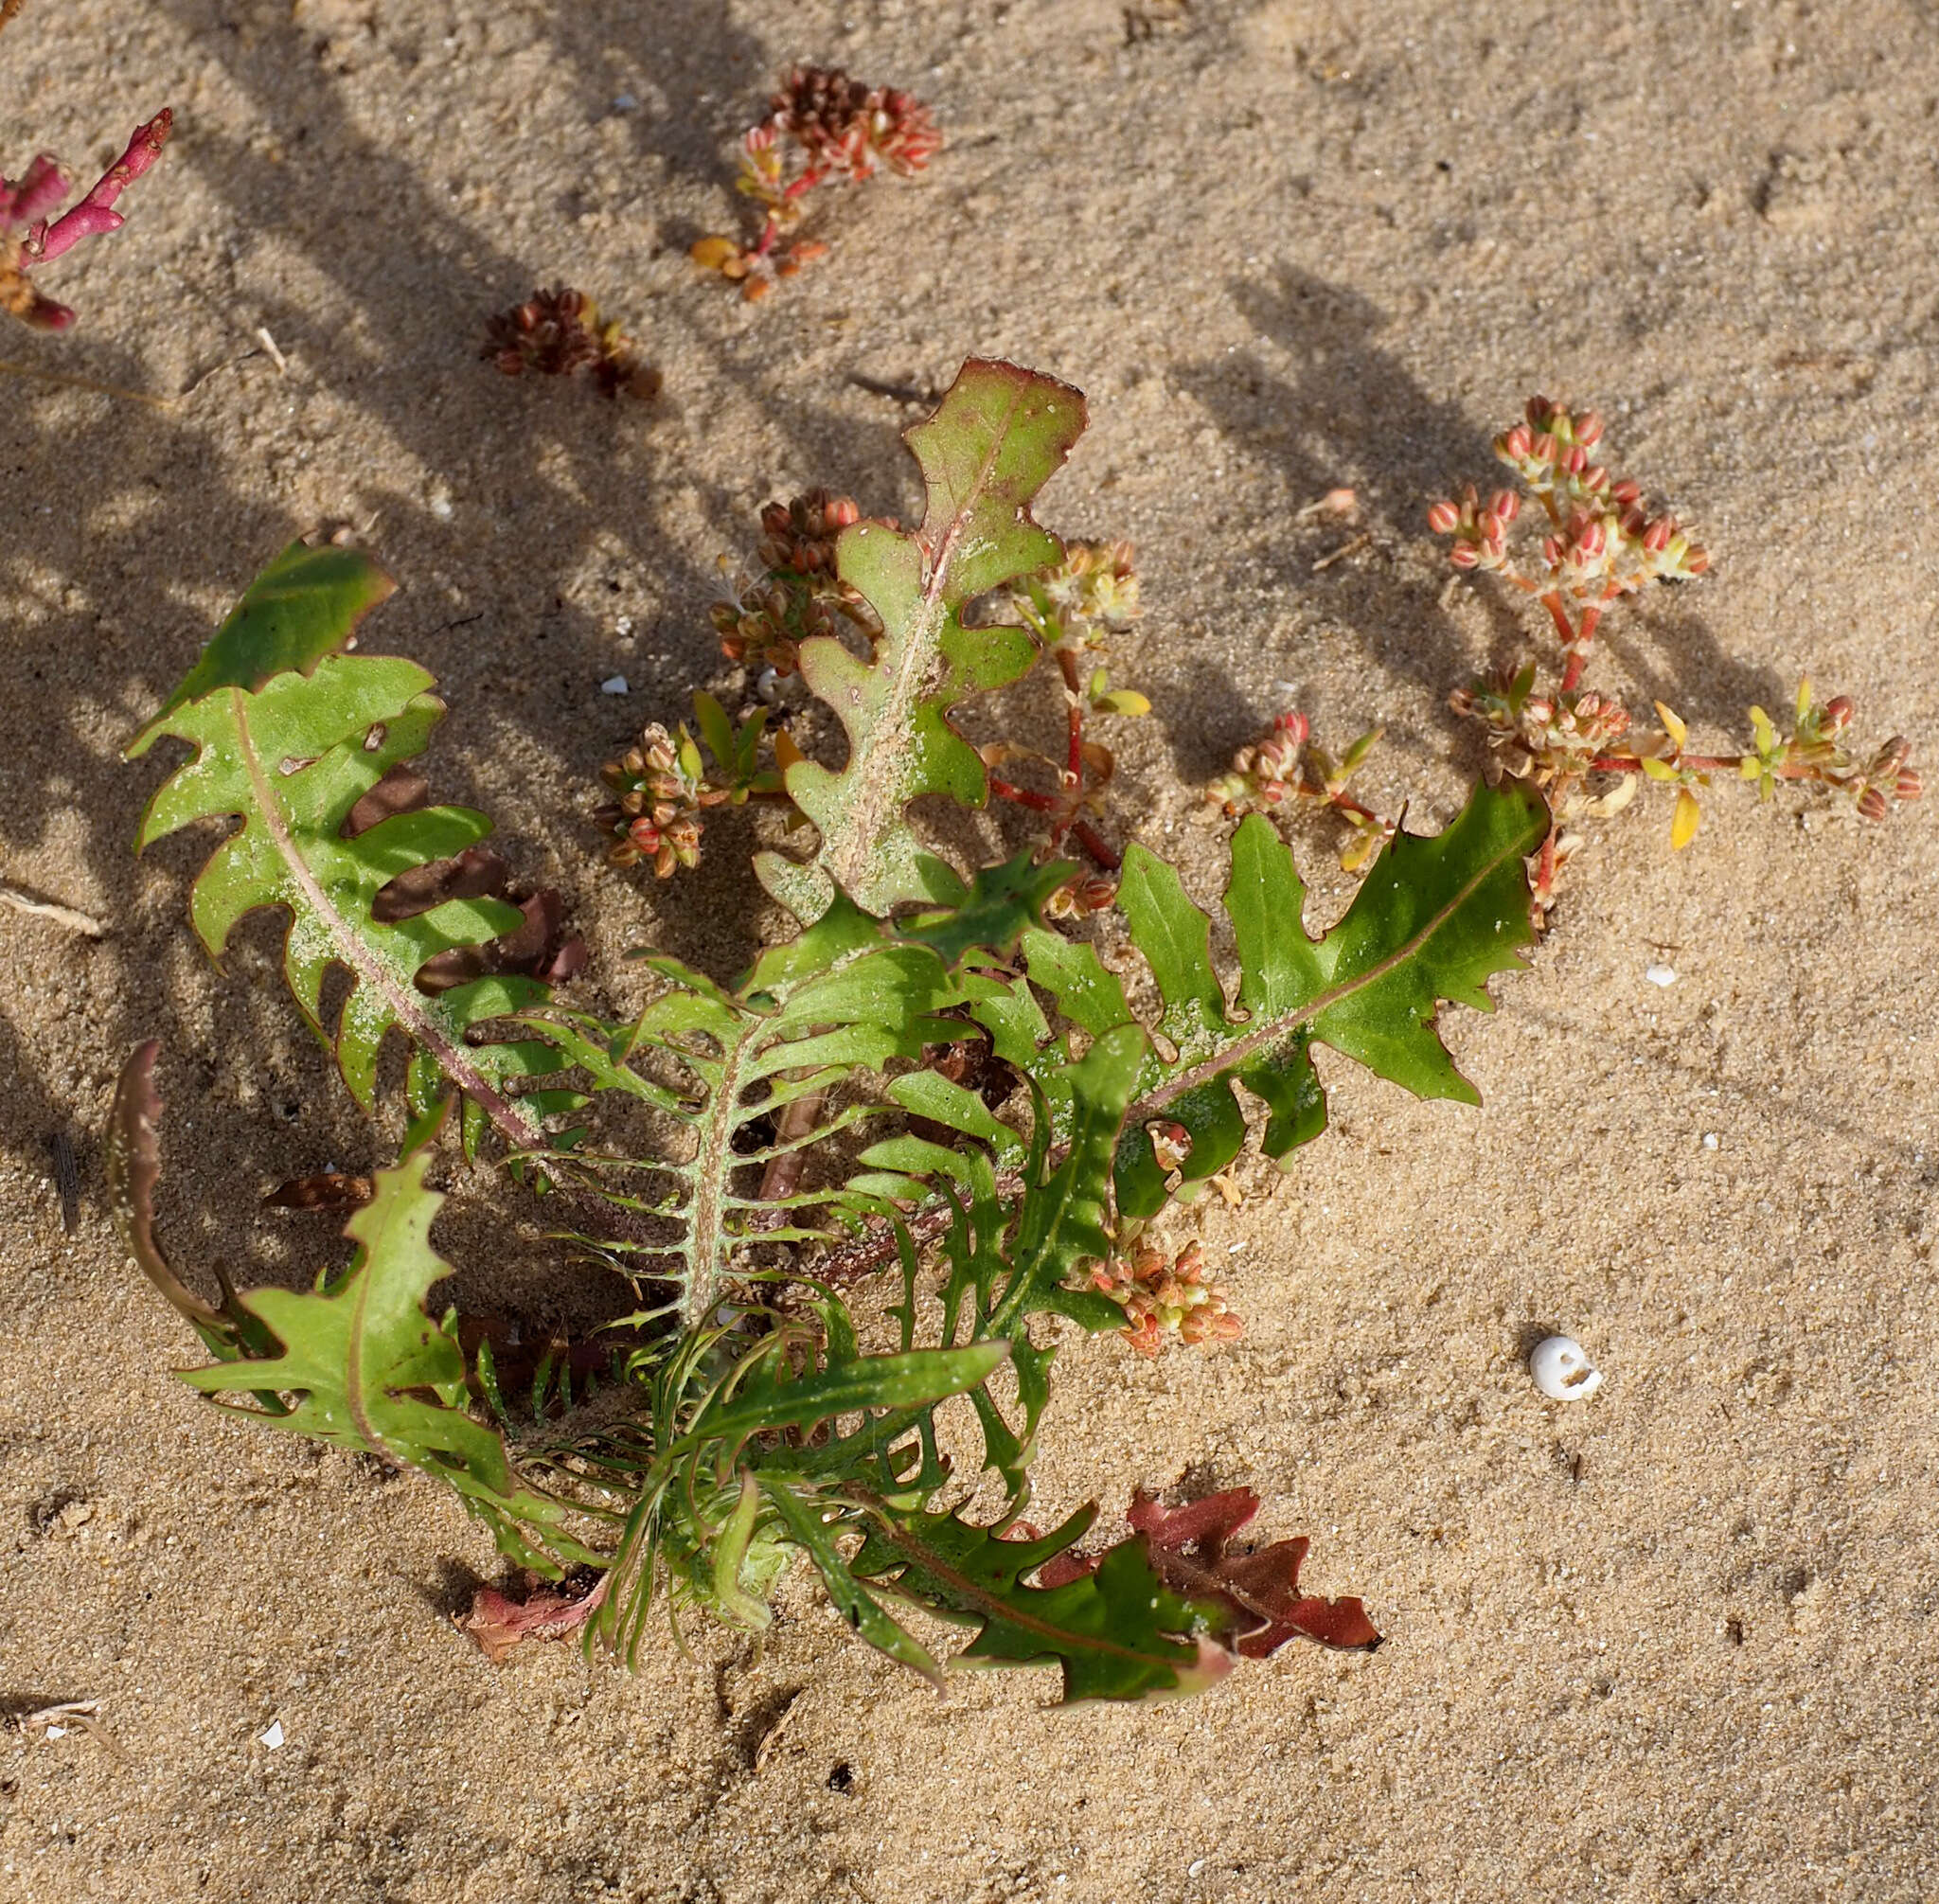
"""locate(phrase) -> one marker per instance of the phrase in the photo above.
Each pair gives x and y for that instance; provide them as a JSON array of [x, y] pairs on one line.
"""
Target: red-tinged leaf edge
[[1260, 1590], [305, 605]]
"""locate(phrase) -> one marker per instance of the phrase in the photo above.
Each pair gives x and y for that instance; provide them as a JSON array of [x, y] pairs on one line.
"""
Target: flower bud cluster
[[1604, 541], [1480, 533], [662, 791], [1285, 768], [1266, 773], [847, 130], [557, 332], [821, 126], [1092, 592], [798, 593], [1541, 738], [1891, 777], [1163, 1298]]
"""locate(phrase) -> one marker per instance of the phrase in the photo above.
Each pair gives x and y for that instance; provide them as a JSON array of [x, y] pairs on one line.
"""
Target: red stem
[[1087, 835]]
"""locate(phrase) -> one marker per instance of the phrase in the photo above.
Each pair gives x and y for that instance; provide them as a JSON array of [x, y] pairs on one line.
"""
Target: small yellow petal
[[714, 254], [1673, 726], [786, 753], [1684, 821]]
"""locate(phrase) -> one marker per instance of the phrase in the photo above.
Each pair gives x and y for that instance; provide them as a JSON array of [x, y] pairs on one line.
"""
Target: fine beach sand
[[1679, 1642]]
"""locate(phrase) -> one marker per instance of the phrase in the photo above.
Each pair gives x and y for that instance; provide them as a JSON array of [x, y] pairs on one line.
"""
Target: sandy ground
[[1679, 1643]]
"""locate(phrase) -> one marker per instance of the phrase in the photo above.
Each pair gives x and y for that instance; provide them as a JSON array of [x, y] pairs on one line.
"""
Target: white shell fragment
[[1661, 974], [614, 683], [272, 1737], [1563, 1371]]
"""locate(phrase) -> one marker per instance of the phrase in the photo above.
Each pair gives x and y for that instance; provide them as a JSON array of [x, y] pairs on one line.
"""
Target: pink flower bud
[[1294, 725], [1443, 518], [1625, 492], [1515, 446], [1909, 786], [1464, 555], [1595, 477], [1872, 805], [1891, 756], [1462, 700], [1574, 459], [1505, 505], [1656, 535], [1544, 448], [1589, 429], [1837, 713]]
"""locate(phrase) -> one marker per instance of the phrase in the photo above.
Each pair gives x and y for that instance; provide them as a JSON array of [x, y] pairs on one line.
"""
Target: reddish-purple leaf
[[1259, 1590], [500, 1624]]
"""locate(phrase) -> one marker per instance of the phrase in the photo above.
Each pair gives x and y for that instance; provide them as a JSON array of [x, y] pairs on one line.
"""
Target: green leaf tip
[[988, 916], [999, 434], [305, 605]]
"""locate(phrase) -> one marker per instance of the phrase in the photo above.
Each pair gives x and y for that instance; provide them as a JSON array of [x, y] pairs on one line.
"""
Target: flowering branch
[[822, 126], [27, 238], [1284, 770], [1603, 545]]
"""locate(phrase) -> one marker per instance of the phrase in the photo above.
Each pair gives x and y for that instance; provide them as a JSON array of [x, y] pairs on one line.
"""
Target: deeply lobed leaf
[[1434, 920], [362, 1365], [998, 437], [290, 735]]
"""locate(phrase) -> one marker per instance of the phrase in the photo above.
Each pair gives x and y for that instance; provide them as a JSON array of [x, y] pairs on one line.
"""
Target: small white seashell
[[614, 683], [274, 1736], [1661, 974], [1563, 1371]]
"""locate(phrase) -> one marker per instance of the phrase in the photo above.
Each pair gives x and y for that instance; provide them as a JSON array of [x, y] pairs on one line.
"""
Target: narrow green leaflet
[[362, 1365], [290, 735], [999, 436], [1021, 1255], [1117, 1632], [728, 1065]]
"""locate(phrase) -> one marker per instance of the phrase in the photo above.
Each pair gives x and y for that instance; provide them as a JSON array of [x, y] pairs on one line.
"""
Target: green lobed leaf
[[1116, 1633], [1434, 919], [288, 737], [367, 1369], [998, 437]]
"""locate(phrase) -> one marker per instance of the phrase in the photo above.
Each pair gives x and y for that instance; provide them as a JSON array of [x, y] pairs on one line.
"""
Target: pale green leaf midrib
[[404, 1001]]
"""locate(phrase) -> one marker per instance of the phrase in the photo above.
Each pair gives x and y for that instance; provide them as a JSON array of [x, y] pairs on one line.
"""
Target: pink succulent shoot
[[30, 237]]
